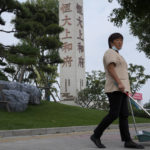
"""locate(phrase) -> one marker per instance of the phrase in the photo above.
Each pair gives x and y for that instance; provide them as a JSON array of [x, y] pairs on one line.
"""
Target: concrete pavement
[[66, 141], [43, 131]]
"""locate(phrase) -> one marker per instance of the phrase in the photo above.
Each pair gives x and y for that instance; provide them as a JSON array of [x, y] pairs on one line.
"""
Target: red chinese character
[[66, 8], [67, 61], [67, 35], [80, 22], [80, 48], [67, 46], [80, 36], [81, 62], [79, 9], [66, 21]]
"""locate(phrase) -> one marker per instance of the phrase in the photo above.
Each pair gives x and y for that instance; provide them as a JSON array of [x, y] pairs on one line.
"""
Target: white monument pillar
[[72, 71]]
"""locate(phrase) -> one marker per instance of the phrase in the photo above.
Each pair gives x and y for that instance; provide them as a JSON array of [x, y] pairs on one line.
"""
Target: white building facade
[[72, 71]]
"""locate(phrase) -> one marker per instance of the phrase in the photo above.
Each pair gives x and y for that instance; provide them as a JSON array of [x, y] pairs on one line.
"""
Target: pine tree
[[6, 6], [38, 24], [13, 58]]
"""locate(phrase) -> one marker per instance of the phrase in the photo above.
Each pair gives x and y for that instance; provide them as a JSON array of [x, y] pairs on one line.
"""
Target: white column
[[72, 71]]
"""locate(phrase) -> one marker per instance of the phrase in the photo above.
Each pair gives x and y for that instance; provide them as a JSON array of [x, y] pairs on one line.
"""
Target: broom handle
[[133, 116]]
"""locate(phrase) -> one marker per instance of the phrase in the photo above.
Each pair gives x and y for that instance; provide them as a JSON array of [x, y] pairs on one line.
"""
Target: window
[[65, 85], [68, 82]]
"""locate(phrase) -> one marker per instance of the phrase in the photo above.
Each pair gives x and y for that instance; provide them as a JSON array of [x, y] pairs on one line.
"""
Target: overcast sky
[[97, 30]]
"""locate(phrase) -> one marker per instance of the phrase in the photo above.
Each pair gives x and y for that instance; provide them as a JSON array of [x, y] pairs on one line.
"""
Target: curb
[[43, 131]]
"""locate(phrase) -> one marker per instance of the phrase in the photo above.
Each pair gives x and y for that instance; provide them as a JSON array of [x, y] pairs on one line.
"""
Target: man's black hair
[[114, 36]]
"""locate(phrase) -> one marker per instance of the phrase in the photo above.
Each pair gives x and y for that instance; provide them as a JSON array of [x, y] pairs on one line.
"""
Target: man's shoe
[[132, 144], [97, 142]]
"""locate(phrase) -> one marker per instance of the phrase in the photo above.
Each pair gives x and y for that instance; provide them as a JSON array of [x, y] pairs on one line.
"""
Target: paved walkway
[[65, 141]]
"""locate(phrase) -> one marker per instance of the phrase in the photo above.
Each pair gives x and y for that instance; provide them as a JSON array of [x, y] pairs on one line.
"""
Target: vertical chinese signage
[[72, 71]]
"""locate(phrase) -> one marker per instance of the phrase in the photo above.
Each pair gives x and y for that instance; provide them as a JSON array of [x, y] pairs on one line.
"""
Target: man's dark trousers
[[118, 102]]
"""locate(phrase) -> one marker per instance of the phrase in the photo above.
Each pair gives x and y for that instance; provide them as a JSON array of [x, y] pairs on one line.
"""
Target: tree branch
[[7, 31]]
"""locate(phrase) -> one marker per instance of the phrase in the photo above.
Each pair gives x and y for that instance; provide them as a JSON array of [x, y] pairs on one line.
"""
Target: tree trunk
[[47, 95], [53, 97], [22, 74]]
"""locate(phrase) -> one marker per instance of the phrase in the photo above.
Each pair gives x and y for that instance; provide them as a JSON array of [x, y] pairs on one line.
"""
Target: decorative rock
[[34, 92], [16, 90], [17, 100], [11, 85]]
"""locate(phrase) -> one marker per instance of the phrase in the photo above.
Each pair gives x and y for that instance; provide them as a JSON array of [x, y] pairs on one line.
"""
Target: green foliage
[[53, 29], [137, 77], [24, 49], [49, 42], [48, 69], [23, 54], [137, 15], [9, 70], [138, 113], [147, 105], [93, 95], [3, 77]]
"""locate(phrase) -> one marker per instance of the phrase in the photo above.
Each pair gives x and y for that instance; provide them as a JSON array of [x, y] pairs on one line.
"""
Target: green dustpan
[[143, 136]]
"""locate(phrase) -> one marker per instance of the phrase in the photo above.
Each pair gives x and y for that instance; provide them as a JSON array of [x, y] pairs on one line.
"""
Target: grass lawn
[[50, 114]]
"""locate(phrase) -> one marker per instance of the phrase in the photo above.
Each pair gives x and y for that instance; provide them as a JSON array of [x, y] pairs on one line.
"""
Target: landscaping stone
[[19, 95], [17, 101]]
